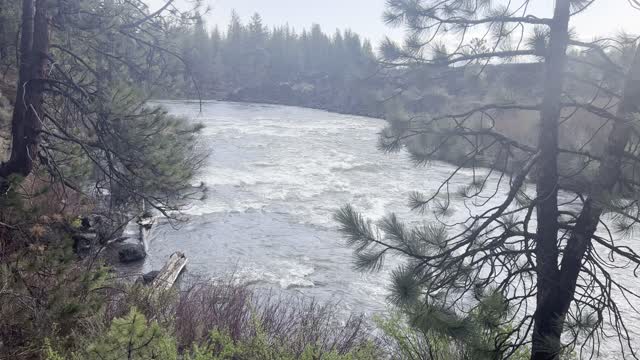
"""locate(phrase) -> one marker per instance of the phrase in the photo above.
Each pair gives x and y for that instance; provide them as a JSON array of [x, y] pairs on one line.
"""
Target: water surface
[[275, 176]]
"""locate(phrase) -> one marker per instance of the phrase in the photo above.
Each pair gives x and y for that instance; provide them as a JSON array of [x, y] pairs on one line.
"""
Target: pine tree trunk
[[548, 317], [3, 45], [556, 287], [609, 173], [26, 123]]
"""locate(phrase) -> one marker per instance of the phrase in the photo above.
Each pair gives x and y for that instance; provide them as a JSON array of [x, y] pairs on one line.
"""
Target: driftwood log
[[169, 272]]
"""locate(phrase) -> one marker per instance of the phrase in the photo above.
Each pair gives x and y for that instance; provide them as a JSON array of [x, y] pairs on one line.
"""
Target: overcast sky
[[606, 17]]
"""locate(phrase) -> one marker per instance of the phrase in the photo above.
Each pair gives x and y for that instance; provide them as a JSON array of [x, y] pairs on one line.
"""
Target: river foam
[[275, 177]]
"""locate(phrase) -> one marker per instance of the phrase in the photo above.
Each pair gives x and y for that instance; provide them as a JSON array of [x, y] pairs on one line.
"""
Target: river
[[275, 176]]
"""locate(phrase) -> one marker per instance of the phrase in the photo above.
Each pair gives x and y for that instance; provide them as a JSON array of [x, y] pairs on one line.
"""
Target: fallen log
[[169, 272]]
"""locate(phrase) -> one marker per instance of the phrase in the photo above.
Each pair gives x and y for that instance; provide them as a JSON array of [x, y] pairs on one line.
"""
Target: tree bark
[[609, 173], [548, 316], [26, 123], [3, 45], [556, 286], [170, 271]]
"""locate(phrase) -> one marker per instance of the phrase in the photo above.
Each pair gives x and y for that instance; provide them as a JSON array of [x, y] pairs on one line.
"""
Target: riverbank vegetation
[[88, 315]]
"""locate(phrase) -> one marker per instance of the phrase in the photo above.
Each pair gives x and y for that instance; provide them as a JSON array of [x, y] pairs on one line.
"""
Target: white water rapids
[[275, 176]]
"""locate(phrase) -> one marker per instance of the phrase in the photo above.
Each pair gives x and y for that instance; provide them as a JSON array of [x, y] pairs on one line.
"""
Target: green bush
[[222, 347], [445, 338], [133, 337]]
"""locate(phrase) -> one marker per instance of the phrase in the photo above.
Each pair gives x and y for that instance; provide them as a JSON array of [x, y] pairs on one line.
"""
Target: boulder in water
[[131, 252]]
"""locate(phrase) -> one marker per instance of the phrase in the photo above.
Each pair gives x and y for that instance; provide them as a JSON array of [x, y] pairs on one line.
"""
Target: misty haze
[[319, 180]]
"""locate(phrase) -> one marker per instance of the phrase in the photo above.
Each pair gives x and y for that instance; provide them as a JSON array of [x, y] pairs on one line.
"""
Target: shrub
[[409, 341], [290, 322], [133, 337], [208, 321], [46, 293], [222, 347]]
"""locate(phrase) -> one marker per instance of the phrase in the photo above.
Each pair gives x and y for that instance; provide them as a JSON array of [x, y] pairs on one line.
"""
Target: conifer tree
[[545, 252], [133, 337], [278, 65], [78, 61]]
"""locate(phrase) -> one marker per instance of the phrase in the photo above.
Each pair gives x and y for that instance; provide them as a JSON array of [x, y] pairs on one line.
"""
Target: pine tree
[[133, 337], [277, 65], [257, 53], [529, 246], [80, 101]]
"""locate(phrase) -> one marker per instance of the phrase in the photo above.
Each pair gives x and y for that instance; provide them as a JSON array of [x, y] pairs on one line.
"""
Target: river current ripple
[[275, 176]]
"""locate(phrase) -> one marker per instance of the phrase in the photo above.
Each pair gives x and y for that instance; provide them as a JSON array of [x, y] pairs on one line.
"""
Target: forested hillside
[[252, 62]]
